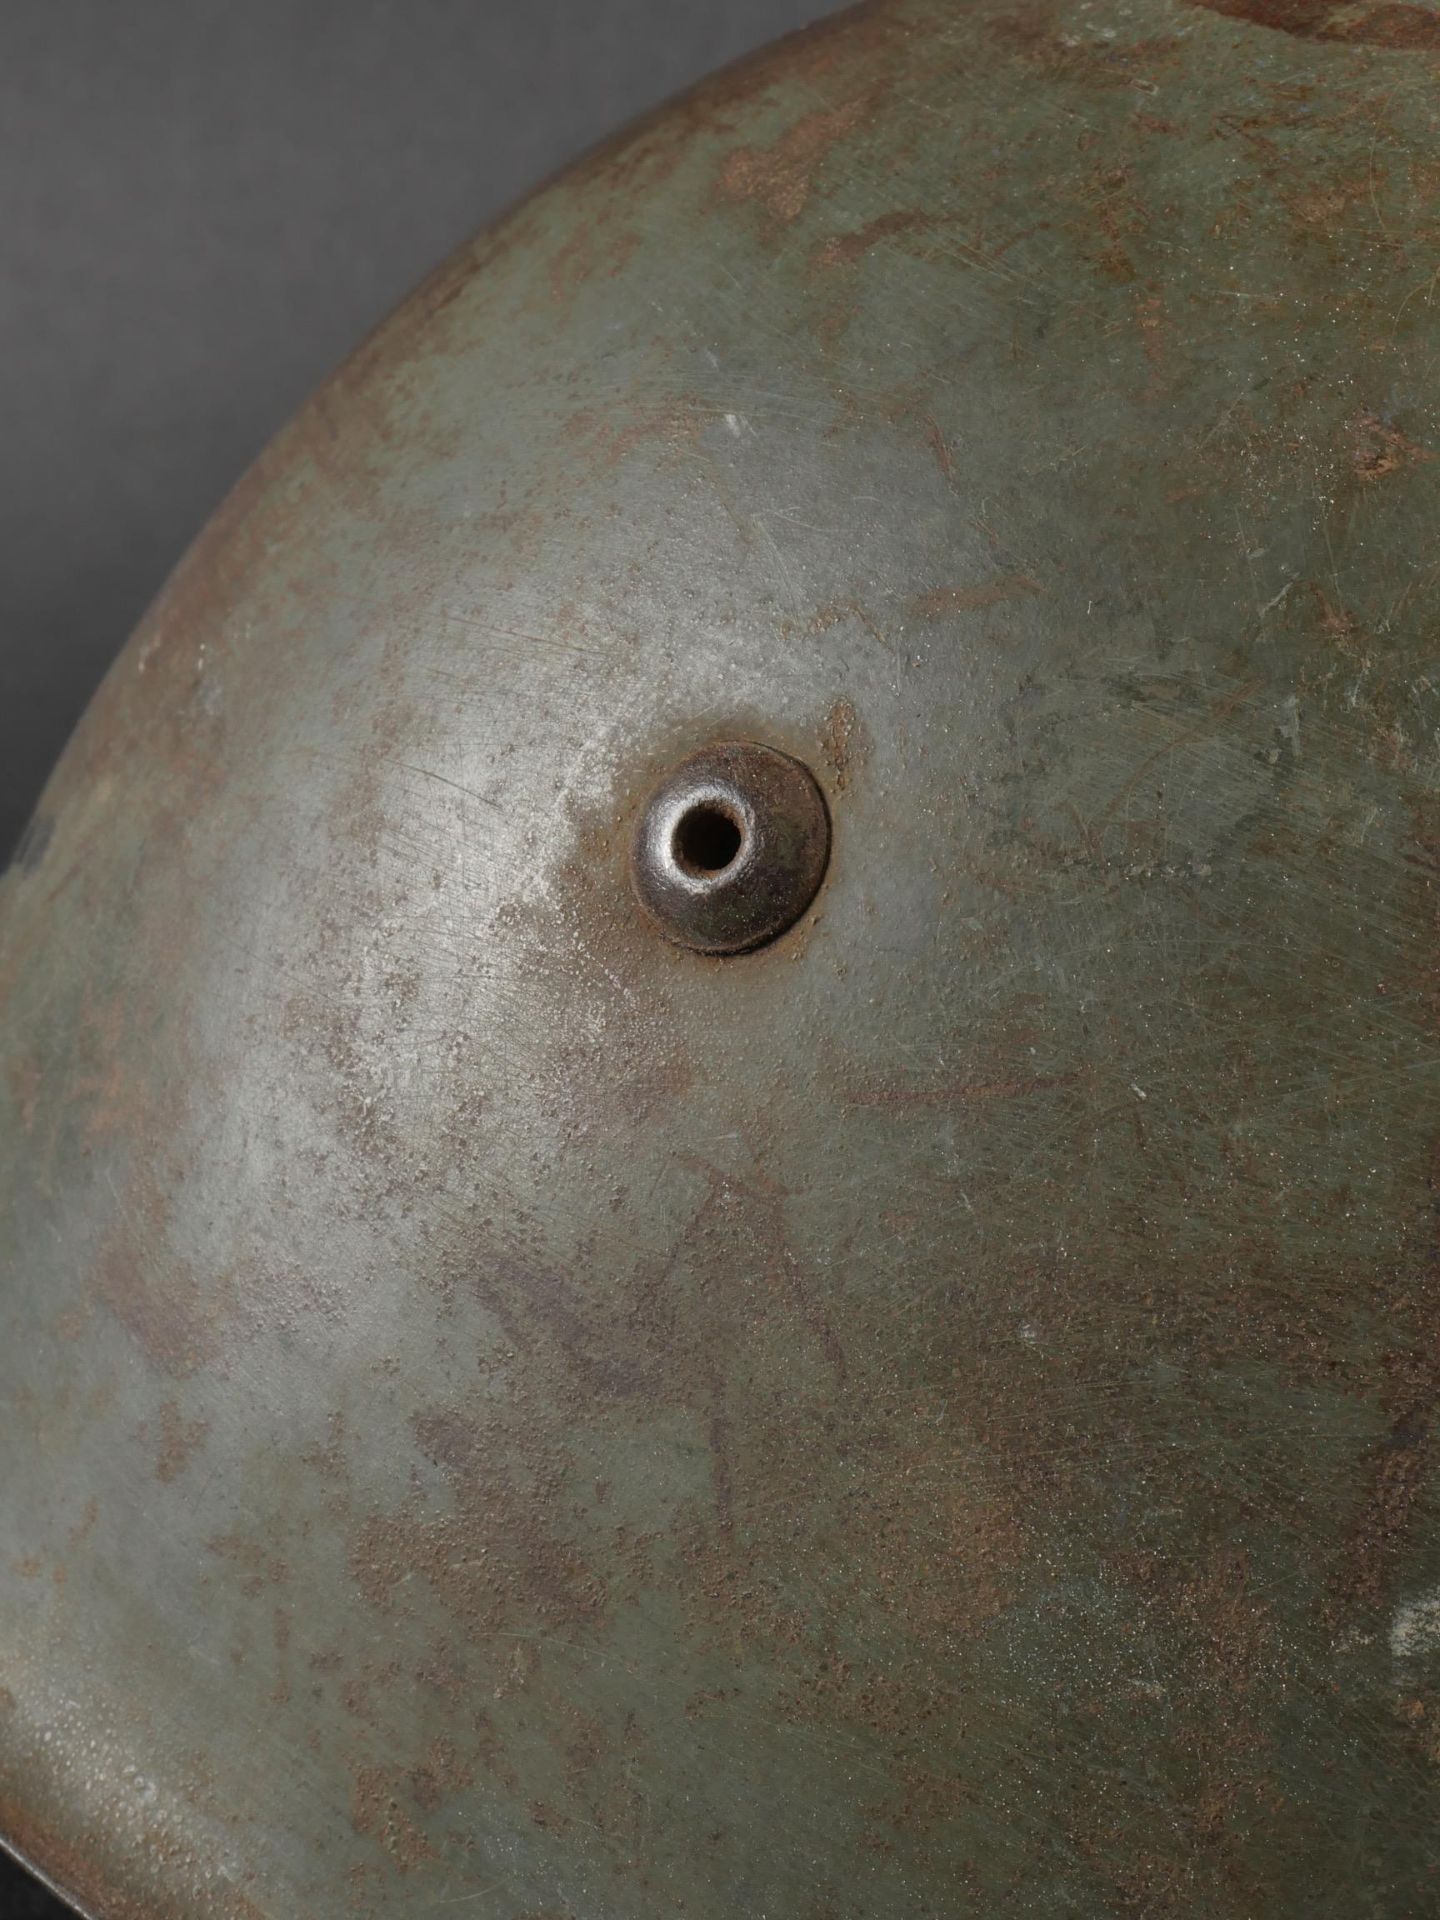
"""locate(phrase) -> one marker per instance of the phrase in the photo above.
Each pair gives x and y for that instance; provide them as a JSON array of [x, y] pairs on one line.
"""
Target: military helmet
[[719, 1055]]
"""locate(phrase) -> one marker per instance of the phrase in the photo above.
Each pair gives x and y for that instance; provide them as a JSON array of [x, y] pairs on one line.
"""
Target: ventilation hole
[[707, 839]]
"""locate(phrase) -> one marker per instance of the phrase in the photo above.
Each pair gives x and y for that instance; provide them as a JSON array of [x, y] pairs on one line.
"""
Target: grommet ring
[[730, 848]]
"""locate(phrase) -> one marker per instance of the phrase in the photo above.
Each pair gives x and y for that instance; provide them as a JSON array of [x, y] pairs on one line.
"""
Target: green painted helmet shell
[[935, 1416]]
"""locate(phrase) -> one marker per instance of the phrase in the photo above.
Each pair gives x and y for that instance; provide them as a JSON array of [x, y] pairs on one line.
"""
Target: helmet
[[718, 1057]]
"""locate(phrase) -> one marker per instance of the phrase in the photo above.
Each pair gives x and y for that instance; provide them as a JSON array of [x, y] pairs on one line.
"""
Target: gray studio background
[[205, 205]]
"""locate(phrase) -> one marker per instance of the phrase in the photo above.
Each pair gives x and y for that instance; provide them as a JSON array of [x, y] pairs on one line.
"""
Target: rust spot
[[80, 1870], [1391, 24], [781, 178], [842, 742], [584, 1746], [1379, 448], [1421, 1720], [155, 1296], [84, 1526], [945, 1558], [1324, 206], [280, 1623], [258, 1567], [490, 1564], [843, 249], [1120, 215], [439, 1775], [943, 600], [1337, 623], [607, 439], [590, 250], [940, 447], [179, 1438], [375, 1811], [1381, 1530]]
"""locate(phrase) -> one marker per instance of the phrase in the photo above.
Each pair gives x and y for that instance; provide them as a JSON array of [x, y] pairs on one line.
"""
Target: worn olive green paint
[[935, 1418]]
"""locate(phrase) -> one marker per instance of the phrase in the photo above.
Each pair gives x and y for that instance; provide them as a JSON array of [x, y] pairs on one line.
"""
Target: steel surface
[[936, 1417]]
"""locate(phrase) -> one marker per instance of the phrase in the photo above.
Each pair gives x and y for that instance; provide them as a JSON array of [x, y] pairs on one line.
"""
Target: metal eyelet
[[730, 848]]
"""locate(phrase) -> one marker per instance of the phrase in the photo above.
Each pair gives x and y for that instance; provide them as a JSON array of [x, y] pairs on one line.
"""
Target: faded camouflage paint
[[936, 1417]]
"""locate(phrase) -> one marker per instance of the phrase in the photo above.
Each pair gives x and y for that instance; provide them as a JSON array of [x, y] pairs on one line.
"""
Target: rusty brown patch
[[75, 1538], [669, 427], [842, 742], [781, 178], [178, 1440], [375, 1811], [155, 1296], [281, 1621], [439, 1775], [1392, 24], [1337, 623], [648, 151], [940, 601], [946, 1550], [1379, 448], [843, 249], [258, 1567], [940, 447], [1121, 216], [1323, 206], [1382, 1529], [591, 250], [1421, 1720], [80, 1870], [490, 1564]]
